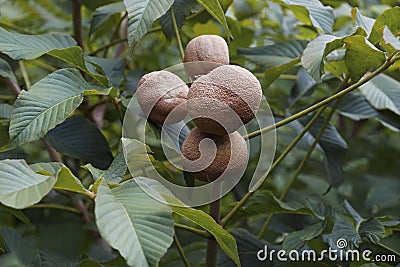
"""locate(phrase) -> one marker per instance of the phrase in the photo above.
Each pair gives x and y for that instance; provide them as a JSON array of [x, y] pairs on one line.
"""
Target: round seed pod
[[224, 99], [205, 53], [159, 93], [207, 166]]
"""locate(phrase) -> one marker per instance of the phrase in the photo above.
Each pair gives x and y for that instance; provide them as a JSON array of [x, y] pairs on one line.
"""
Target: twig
[[300, 167], [178, 37], [107, 46], [77, 22], [53, 153], [283, 155], [397, 253], [193, 230], [14, 27], [181, 252], [24, 74], [324, 102], [13, 86]]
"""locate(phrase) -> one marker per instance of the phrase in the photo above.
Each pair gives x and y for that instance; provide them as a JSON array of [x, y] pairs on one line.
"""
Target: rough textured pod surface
[[232, 144], [224, 99], [205, 53], [160, 92]]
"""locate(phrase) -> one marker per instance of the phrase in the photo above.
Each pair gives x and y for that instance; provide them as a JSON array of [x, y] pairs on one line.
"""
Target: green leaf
[[362, 21], [141, 15], [22, 249], [389, 18], [112, 68], [24, 46], [63, 47], [74, 56], [370, 230], [6, 71], [182, 9], [390, 42], [264, 201], [17, 214], [5, 111], [66, 180], [276, 54], [356, 107], [115, 173], [296, 240], [312, 13], [383, 93], [20, 186], [272, 74], [226, 241], [134, 223], [361, 56], [315, 52], [77, 137], [248, 246], [103, 13], [333, 146], [214, 8], [46, 104]]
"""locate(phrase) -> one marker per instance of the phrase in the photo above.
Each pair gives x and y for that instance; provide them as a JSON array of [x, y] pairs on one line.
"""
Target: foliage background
[[268, 38]]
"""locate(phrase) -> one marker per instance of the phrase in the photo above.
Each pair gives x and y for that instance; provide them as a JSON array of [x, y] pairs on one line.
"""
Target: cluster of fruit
[[221, 98]]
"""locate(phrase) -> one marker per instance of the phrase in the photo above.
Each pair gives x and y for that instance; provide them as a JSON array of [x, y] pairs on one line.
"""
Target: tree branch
[[77, 22]]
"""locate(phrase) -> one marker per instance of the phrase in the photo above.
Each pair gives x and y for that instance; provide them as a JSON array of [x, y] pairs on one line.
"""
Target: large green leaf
[[46, 104], [63, 47], [312, 13], [141, 15], [296, 240], [182, 9], [77, 137], [276, 54], [6, 71], [314, 55], [389, 18], [20, 186], [226, 241], [362, 21], [140, 227], [272, 74], [66, 180], [215, 9], [383, 92], [22, 249], [356, 107], [103, 13], [23, 46], [361, 56]]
